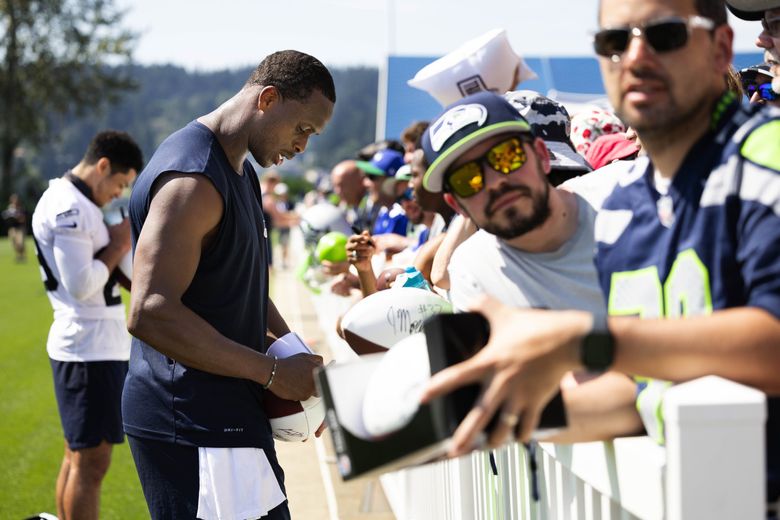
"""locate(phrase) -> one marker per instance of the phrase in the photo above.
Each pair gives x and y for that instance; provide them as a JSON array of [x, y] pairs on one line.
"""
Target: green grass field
[[31, 440]]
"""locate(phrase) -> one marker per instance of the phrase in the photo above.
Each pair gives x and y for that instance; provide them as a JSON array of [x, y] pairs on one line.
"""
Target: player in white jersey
[[81, 261]]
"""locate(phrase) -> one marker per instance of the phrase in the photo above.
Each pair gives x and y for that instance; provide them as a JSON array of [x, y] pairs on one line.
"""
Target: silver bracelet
[[271, 379]]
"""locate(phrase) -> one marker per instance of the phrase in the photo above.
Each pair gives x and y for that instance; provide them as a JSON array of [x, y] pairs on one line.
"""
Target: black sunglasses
[[663, 35]]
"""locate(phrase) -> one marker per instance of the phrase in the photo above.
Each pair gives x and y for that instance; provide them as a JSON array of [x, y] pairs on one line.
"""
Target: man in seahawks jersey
[[692, 233], [88, 345]]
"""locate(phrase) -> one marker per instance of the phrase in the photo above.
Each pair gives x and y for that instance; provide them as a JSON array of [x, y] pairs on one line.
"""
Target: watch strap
[[597, 351]]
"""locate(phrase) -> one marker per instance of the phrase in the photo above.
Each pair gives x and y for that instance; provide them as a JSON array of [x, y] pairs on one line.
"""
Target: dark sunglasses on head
[[663, 35], [764, 91], [506, 157]]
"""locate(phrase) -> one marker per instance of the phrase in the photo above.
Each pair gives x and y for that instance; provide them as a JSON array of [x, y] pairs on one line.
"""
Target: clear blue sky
[[215, 34]]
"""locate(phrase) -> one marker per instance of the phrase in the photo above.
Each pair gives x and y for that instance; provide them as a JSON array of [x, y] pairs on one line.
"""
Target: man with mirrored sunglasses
[[692, 232], [534, 247], [492, 169]]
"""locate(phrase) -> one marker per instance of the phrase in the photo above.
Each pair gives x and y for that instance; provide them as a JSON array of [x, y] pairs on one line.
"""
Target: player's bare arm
[[184, 214]]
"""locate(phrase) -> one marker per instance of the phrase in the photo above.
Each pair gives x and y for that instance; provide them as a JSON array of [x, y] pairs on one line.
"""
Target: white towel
[[236, 484]]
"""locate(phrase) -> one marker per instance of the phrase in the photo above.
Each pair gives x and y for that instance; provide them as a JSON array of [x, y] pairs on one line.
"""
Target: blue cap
[[463, 124], [384, 163]]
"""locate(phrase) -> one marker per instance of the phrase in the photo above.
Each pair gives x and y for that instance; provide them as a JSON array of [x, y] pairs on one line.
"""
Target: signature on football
[[407, 321]]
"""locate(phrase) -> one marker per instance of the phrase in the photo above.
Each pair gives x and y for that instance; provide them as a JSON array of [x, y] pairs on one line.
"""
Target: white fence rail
[[712, 465]]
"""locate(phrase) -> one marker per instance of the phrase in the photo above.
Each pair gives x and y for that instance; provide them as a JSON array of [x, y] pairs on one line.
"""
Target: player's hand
[[360, 249], [119, 236], [520, 369], [294, 379]]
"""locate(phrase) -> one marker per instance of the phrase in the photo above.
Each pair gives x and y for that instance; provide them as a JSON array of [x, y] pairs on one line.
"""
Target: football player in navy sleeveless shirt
[[691, 233], [200, 309]]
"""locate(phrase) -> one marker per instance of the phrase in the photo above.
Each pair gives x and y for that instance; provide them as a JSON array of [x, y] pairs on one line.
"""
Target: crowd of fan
[[425, 203]]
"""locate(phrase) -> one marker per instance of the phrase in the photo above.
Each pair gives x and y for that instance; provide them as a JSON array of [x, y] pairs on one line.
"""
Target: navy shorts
[[89, 396], [169, 475]]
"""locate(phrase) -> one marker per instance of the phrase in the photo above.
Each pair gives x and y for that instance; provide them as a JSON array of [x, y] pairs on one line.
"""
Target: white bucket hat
[[486, 62]]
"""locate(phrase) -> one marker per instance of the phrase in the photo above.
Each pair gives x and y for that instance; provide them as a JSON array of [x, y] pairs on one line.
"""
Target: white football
[[381, 320], [392, 395], [292, 421]]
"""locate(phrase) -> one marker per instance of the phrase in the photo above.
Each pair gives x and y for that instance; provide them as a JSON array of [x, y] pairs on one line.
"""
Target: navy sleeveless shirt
[[164, 399]]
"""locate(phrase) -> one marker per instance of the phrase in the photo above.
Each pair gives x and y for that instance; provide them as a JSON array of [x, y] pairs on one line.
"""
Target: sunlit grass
[[31, 439]]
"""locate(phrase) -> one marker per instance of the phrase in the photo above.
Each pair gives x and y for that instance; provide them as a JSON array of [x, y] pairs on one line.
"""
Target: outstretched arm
[[530, 350]]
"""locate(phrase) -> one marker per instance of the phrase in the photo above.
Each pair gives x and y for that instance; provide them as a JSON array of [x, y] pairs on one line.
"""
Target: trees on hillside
[[168, 97], [56, 57]]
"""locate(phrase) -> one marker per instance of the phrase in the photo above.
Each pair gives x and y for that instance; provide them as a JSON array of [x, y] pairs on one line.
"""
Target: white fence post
[[714, 450]]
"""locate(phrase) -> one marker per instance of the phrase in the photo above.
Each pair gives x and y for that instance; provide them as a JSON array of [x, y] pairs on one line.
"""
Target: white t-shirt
[[597, 185], [562, 279], [89, 317]]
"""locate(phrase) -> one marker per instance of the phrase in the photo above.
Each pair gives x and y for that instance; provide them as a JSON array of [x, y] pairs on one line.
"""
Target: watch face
[[598, 351]]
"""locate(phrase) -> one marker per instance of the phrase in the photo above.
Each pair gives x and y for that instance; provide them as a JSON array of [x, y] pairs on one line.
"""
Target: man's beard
[[518, 224]]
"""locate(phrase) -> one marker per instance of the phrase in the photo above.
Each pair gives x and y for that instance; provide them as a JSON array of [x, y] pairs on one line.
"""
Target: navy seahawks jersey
[[711, 242]]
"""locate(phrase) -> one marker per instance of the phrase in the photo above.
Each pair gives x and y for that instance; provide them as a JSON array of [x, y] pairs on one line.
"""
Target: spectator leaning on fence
[[692, 233], [535, 243], [549, 121]]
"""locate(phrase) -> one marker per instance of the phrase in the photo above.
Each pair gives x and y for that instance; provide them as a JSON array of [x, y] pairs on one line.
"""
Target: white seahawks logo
[[453, 120]]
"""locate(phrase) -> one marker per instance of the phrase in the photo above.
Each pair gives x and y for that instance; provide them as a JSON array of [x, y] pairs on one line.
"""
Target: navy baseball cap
[[463, 124], [384, 163], [751, 9]]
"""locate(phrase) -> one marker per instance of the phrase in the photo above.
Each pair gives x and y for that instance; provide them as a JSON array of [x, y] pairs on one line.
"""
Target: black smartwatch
[[597, 351]]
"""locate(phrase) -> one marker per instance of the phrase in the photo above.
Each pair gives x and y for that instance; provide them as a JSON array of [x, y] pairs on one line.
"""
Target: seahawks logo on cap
[[453, 120]]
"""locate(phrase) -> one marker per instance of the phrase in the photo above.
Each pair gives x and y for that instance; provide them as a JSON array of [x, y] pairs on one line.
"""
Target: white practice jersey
[[89, 317]]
